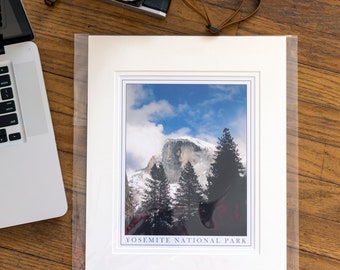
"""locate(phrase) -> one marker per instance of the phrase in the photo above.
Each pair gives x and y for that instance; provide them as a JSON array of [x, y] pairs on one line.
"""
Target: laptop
[[31, 184]]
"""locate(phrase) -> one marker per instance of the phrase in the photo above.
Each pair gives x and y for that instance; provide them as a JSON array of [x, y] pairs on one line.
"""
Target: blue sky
[[157, 111]]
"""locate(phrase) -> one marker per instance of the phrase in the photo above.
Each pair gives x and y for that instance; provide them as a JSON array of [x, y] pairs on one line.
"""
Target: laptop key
[[3, 69], [5, 80], [3, 139], [6, 93], [7, 107], [3, 135], [14, 136], [8, 120]]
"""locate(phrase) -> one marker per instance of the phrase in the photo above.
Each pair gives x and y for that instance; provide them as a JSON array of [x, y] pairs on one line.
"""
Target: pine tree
[[225, 176], [226, 169], [188, 195], [157, 203]]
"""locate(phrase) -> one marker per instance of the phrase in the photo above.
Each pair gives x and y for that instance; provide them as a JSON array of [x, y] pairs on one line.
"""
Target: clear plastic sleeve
[[80, 161]]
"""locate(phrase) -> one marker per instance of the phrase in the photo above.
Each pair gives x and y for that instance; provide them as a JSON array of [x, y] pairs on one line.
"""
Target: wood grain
[[48, 244]]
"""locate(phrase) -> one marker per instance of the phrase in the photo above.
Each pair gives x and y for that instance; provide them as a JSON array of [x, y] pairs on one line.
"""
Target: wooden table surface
[[48, 244]]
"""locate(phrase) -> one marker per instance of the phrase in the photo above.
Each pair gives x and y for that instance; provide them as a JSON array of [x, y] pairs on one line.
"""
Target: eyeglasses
[[200, 9]]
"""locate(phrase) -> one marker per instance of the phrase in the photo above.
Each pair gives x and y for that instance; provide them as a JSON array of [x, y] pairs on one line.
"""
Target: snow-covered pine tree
[[129, 203], [157, 203], [189, 194]]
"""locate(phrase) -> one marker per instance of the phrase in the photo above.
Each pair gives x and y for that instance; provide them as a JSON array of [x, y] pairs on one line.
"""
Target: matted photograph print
[[170, 124], [187, 180]]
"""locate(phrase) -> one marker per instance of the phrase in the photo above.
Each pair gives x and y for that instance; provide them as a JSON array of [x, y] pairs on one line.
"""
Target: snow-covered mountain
[[175, 154]]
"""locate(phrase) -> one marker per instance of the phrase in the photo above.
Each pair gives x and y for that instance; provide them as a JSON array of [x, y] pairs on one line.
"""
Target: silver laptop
[[31, 185]]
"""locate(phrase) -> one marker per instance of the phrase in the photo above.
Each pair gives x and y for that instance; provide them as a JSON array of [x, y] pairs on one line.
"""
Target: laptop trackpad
[[30, 98]]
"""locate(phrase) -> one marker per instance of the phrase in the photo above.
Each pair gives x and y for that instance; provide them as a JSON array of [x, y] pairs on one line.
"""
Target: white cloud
[[144, 138], [182, 107], [180, 133], [142, 142], [135, 94], [148, 112], [226, 92], [207, 137]]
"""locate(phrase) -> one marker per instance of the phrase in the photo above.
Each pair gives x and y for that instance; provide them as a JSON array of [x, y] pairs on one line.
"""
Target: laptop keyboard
[[10, 129]]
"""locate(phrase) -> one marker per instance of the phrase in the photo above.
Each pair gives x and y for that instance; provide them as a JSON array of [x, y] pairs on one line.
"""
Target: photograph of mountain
[[186, 158]]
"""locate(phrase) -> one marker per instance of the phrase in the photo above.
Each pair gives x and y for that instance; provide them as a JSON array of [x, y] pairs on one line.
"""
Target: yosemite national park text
[[184, 241]]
